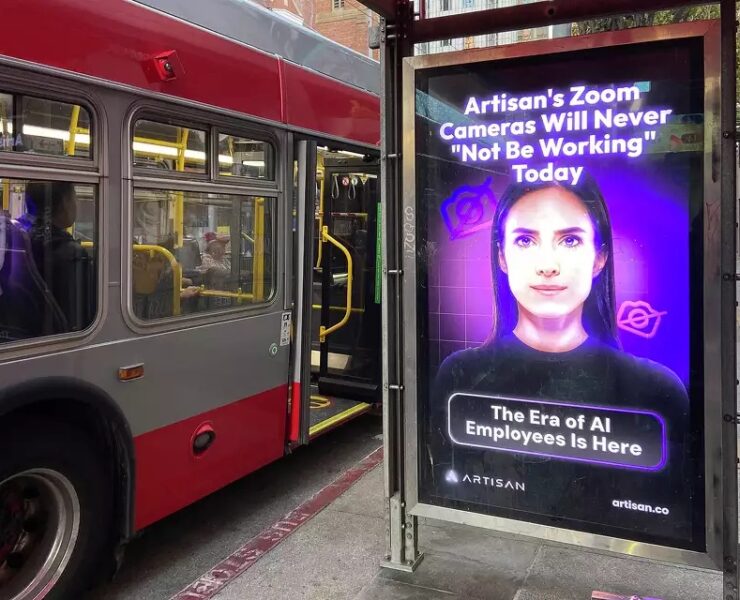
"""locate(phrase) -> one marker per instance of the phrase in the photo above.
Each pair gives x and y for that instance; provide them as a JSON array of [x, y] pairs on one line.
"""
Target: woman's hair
[[599, 309]]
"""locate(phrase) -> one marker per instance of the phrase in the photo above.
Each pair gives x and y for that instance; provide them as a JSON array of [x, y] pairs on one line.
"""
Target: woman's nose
[[547, 266]]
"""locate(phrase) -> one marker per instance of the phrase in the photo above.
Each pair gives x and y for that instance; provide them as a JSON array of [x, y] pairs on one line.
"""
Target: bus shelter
[[559, 268]]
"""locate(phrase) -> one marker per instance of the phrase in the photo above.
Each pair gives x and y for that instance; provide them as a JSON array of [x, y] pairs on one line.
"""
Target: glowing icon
[[469, 209], [640, 318], [451, 477]]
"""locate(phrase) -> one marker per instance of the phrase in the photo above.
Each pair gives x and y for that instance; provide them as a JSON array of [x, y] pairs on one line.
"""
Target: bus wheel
[[55, 511]]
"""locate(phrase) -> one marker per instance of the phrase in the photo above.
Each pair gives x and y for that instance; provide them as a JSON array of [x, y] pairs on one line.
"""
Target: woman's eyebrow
[[525, 230], [568, 230]]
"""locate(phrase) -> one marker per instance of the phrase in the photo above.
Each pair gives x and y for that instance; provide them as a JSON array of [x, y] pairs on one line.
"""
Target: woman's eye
[[571, 241], [524, 241]]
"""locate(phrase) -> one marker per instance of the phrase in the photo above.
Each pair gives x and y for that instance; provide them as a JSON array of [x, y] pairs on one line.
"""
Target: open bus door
[[337, 212]]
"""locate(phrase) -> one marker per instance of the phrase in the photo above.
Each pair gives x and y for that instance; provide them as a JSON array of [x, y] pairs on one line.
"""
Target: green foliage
[[661, 17]]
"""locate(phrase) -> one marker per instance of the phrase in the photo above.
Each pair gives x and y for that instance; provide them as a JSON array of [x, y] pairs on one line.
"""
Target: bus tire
[[56, 509]]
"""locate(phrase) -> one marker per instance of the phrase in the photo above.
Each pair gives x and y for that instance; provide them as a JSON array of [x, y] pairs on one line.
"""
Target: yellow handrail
[[73, 121], [338, 308], [323, 331], [6, 194], [182, 138], [238, 295], [176, 271], [258, 253]]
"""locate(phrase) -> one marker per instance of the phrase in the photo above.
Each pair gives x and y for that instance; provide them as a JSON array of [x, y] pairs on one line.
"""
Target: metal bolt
[[409, 536]]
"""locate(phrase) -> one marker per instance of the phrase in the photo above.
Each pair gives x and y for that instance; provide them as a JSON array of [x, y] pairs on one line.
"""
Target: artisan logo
[[495, 482]]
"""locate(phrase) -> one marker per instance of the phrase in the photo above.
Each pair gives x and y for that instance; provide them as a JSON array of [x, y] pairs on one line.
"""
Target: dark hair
[[599, 319], [43, 198]]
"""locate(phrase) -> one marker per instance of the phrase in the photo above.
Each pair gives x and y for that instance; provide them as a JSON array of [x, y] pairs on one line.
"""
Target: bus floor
[[328, 412]]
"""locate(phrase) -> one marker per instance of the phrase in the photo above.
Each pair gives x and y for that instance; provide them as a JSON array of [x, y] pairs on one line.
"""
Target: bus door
[[344, 311]]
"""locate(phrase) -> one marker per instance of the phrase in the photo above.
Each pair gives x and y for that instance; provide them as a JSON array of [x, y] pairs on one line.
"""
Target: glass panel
[[47, 258], [243, 157], [169, 147], [567, 283], [197, 252], [47, 127]]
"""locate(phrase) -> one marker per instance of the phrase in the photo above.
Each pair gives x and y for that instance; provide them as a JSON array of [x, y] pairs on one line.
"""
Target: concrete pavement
[[337, 554]]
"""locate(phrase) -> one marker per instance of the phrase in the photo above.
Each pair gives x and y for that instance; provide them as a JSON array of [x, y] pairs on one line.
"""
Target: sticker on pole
[[285, 329]]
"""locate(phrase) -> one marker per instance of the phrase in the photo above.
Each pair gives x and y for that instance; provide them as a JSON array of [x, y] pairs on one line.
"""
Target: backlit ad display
[[558, 265]]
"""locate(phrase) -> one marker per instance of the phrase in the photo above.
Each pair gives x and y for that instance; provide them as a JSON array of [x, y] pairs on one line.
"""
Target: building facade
[[347, 22]]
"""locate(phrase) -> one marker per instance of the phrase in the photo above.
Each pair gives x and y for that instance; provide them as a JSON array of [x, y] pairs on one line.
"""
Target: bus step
[[348, 388]]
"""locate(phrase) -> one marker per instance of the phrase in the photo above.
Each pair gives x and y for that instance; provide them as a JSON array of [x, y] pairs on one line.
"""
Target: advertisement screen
[[559, 243]]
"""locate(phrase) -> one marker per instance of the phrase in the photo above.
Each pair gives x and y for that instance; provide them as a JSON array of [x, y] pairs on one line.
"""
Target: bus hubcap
[[39, 525]]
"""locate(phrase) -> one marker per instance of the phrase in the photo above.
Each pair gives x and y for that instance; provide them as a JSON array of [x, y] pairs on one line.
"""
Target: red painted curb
[[219, 576]]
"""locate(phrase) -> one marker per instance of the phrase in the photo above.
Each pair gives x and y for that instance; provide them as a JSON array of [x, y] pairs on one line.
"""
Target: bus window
[[169, 147], [243, 157], [47, 258], [47, 127], [196, 252]]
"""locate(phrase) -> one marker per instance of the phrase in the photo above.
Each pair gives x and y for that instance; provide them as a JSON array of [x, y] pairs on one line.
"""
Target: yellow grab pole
[[258, 254], [325, 331], [6, 194], [179, 215], [73, 121]]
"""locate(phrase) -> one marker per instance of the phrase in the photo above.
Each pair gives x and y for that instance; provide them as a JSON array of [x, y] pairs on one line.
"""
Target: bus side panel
[[312, 99], [250, 434], [117, 41]]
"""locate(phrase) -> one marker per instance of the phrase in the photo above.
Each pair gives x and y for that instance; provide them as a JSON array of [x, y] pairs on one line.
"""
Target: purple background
[[648, 205]]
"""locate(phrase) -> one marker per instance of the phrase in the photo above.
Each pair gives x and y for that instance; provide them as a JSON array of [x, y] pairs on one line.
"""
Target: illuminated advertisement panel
[[558, 203]]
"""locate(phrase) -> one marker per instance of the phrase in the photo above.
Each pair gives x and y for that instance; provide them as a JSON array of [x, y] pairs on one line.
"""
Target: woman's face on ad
[[549, 254]]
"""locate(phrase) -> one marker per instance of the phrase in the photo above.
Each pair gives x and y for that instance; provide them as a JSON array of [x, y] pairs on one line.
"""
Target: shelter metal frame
[[400, 29]]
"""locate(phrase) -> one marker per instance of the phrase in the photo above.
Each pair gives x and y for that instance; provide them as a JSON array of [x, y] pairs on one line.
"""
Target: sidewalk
[[336, 556]]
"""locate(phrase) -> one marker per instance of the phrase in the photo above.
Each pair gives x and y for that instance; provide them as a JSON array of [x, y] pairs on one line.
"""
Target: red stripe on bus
[[295, 413], [216, 578], [249, 434]]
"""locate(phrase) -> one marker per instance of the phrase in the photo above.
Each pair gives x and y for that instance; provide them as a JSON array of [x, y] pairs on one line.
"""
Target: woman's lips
[[548, 289]]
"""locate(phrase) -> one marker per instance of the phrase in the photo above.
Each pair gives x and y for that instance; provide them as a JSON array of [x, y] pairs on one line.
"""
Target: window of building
[[167, 147], [196, 252], [445, 4], [48, 258], [445, 43], [337, 4], [244, 157], [33, 125]]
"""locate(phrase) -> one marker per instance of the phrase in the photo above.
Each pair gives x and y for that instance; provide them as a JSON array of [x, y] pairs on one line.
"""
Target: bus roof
[[120, 42], [261, 28]]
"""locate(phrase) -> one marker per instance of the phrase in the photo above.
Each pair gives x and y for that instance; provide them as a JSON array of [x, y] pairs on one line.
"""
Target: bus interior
[[345, 287]]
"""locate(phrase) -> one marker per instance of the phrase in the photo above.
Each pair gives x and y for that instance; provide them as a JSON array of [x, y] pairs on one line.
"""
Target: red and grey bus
[[188, 253]]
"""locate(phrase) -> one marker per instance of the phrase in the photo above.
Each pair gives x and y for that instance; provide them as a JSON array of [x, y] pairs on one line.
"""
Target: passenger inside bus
[[61, 260], [215, 265]]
